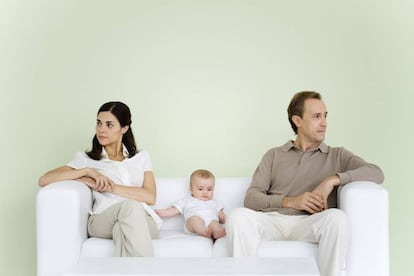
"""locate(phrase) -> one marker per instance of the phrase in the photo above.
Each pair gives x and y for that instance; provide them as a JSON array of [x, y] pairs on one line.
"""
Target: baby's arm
[[168, 212], [221, 216]]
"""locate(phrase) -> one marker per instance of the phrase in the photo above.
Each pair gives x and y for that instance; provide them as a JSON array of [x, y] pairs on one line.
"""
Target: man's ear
[[297, 120], [124, 129]]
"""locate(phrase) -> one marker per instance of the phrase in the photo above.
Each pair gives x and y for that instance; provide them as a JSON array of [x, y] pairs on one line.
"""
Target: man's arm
[[354, 168], [257, 197]]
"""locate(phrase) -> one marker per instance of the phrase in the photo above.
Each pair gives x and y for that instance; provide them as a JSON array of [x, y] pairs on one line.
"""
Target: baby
[[202, 213]]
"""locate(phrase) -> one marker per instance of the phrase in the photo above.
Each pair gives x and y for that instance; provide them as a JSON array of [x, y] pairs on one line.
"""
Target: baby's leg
[[217, 230], [196, 225]]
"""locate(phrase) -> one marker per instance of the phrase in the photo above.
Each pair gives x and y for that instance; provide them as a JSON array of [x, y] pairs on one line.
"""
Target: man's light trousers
[[247, 228]]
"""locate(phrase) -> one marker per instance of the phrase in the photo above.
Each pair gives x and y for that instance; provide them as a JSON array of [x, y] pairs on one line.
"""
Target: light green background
[[208, 83]]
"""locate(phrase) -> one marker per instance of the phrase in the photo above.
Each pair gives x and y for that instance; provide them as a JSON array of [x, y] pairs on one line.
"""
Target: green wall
[[208, 83]]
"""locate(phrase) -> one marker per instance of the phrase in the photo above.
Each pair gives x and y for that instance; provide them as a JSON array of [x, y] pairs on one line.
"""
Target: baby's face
[[202, 188]]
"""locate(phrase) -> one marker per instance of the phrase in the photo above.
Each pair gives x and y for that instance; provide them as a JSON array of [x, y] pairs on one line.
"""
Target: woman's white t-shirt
[[128, 172]]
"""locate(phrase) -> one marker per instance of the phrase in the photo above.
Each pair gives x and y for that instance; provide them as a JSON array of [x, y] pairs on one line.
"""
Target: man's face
[[312, 125]]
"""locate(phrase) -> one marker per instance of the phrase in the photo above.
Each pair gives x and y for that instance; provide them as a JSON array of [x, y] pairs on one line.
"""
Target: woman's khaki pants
[[129, 225]]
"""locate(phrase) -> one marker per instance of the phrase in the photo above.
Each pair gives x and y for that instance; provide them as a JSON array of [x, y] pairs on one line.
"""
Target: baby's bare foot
[[221, 232], [208, 233]]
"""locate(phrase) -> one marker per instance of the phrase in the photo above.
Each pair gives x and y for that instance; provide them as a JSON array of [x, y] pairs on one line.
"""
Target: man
[[294, 188]]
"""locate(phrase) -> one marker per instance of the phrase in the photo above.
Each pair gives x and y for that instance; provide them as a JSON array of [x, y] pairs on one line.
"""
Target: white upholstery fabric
[[62, 211], [366, 205], [287, 249], [170, 244]]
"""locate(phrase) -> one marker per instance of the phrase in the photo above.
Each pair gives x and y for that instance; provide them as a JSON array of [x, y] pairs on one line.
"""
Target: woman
[[121, 177]]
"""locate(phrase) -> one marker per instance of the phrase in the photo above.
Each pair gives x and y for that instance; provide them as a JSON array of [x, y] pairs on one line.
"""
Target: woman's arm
[[61, 173], [99, 182], [146, 193]]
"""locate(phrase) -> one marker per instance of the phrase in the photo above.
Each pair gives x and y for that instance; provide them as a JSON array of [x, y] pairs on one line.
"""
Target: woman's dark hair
[[297, 105], [123, 114]]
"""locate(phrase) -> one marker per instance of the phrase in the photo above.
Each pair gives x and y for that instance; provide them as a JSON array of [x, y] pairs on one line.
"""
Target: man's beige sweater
[[288, 171]]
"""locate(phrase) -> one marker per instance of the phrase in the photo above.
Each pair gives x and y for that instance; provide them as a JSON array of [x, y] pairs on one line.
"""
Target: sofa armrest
[[366, 204], [61, 225]]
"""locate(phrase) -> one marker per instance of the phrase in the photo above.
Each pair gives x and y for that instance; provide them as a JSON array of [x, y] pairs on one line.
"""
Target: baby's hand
[[222, 217]]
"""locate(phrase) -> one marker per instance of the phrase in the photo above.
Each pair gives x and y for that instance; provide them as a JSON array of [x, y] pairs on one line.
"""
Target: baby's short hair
[[206, 174]]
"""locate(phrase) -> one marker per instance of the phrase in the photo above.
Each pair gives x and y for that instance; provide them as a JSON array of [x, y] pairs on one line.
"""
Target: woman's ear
[[124, 129]]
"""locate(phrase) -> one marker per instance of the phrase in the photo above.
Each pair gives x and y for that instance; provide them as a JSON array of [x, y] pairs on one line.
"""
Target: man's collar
[[290, 144], [124, 152]]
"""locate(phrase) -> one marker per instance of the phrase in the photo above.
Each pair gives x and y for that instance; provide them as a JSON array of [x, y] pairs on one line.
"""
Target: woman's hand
[[90, 182], [98, 181]]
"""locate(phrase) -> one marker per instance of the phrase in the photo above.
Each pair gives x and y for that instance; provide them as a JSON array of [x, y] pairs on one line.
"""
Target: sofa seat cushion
[[97, 247], [273, 249], [287, 249], [290, 249], [170, 244], [173, 243]]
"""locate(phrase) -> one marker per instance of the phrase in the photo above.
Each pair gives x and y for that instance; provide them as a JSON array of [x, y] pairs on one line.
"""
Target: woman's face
[[108, 129]]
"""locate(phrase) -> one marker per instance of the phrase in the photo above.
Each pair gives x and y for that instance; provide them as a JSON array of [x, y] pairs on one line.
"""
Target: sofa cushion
[[287, 249], [97, 247], [179, 244], [273, 249], [170, 244]]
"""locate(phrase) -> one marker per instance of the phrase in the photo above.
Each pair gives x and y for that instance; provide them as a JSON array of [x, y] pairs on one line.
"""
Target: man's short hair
[[297, 105]]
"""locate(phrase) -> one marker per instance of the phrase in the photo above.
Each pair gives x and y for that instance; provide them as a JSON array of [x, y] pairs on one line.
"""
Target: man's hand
[[310, 202], [325, 188]]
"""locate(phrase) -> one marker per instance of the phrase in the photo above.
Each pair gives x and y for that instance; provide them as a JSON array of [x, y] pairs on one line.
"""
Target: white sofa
[[62, 212]]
